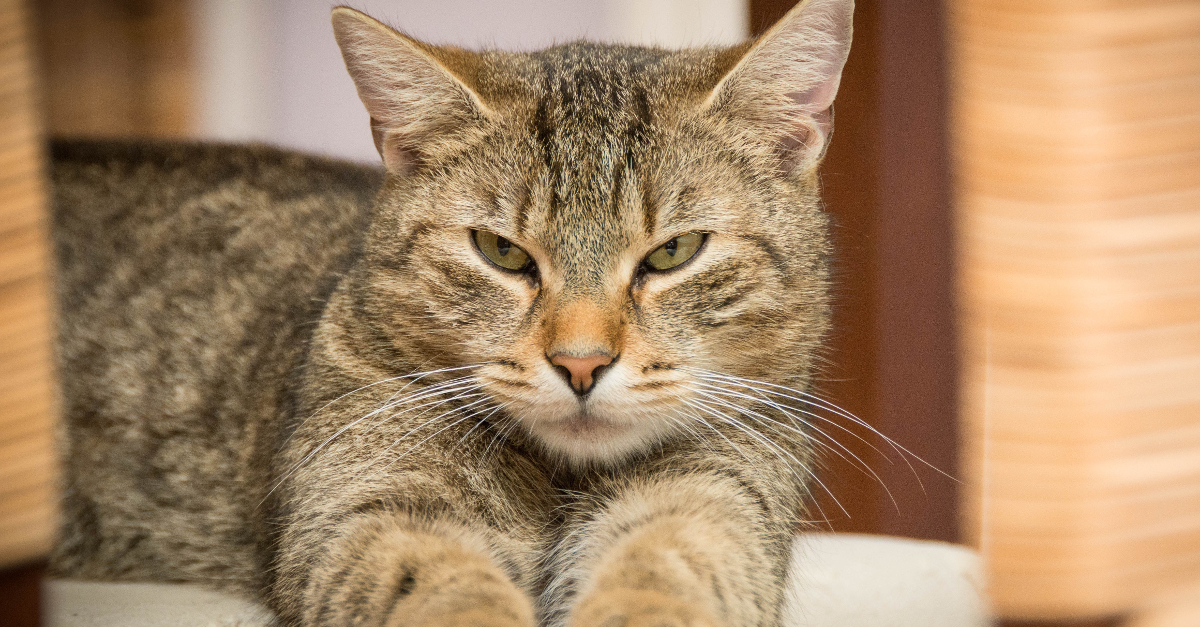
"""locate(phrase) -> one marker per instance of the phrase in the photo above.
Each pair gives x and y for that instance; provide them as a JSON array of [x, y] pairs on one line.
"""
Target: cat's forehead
[[593, 104], [594, 80], [592, 117], [600, 84]]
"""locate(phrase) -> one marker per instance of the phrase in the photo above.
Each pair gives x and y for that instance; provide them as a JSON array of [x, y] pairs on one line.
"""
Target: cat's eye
[[500, 251], [676, 251]]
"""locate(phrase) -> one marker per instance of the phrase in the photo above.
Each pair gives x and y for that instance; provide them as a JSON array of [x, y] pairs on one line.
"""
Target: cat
[[549, 366]]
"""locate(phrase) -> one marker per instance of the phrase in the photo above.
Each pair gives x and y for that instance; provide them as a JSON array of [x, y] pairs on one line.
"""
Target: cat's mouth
[[607, 426], [585, 426]]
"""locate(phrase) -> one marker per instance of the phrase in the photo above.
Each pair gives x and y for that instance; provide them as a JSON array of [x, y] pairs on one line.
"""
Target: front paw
[[625, 607], [466, 599], [472, 617]]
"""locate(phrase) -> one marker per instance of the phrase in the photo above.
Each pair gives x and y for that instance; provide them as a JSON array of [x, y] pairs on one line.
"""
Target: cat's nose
[[581, 372]]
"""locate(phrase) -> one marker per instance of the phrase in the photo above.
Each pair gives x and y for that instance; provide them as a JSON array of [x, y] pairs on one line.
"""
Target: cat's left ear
[[781, 90], [417, 103]]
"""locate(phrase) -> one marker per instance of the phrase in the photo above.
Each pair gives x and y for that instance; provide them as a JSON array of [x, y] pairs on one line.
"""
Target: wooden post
[[27, 390], [1076, 132]]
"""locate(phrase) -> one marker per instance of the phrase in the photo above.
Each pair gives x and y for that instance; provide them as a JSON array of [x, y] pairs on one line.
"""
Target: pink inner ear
[[820, 97], [397, 156], [817, 103], [804, 139]]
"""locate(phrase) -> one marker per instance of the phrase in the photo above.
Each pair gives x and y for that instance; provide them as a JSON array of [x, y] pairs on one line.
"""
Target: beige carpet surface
[[837, 580]]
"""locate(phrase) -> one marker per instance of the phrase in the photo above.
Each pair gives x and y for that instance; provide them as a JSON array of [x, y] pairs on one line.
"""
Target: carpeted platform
[[839, 580]]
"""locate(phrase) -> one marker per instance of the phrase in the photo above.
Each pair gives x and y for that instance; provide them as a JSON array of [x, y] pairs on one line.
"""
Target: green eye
[[501, 251], [676, 251]]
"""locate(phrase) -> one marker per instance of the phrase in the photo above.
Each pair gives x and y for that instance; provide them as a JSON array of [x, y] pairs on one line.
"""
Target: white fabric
[[837, 580], [841, 580], [68, 603]]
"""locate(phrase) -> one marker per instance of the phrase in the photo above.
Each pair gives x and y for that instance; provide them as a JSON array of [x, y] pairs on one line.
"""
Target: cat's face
[[600, 241]]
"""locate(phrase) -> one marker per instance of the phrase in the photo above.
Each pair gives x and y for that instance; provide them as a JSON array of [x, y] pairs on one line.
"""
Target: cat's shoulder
[[139, 193], [178, 217]]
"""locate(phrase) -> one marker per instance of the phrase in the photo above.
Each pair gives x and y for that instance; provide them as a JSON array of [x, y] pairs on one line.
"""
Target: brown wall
[[886, 183]]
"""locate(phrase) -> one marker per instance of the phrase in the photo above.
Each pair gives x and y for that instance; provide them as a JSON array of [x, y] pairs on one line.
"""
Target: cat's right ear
[[414, 101]]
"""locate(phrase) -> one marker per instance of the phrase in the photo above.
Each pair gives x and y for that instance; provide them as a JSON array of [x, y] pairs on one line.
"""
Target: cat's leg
[[435, 535], [391, 570], [689, 550]]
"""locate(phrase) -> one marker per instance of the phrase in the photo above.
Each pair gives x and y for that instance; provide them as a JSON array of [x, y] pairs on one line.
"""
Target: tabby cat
[[548, 366]]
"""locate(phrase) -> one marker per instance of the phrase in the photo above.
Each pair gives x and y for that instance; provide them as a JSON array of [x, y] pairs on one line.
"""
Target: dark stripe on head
[[555, 198], [649, 206], [638, 131], [618, 188], [543, 129], [461, 276], [731, 297], [358, 601], [522, 208], [398, 261], [335, 583]]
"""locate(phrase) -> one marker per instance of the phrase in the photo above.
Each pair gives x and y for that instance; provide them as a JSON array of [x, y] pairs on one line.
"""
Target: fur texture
[[279, 386]]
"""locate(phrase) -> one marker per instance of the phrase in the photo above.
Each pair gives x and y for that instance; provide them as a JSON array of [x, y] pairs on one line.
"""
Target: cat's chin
[[586, 439]]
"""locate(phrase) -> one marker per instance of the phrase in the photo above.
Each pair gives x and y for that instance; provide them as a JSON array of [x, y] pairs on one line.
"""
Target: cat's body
[[539, 375], [190, 281]]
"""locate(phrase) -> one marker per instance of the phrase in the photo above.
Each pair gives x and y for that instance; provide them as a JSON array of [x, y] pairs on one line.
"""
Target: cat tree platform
[[838, 579]]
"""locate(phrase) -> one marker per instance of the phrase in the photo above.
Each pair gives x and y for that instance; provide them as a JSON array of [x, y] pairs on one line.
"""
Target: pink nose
[[581, 371]]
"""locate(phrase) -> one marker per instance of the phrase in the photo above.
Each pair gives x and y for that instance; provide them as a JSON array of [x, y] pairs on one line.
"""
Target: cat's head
[[604, 229]]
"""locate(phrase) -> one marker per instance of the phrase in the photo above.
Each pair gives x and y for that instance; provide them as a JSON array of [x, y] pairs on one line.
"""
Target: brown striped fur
[[299, 380]]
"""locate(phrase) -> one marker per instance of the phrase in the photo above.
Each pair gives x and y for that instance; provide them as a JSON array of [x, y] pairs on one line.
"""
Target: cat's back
[[189, 279], [146, 204]]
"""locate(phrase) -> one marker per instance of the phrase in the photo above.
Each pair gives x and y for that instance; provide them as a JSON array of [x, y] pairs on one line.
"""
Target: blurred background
[[1015, 186]]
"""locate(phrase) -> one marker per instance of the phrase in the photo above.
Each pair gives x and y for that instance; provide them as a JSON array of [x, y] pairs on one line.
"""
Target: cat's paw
[[625, 607], [464, 598], [470, 617]]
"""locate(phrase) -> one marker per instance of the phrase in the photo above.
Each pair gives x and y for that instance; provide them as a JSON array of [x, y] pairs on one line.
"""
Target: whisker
[[458, 389], [483, 420], [817, 401], [775, 449], [424, 393], [690, 432], [480, 397], [715, 430], [427, 438], [415, 375], [440, 388], [788, 409], [747, 458], [861, 465], [501, 434]]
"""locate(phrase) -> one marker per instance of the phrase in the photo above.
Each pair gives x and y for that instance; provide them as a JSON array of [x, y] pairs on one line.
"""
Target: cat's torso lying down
[[190, 281], [550, 366]]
